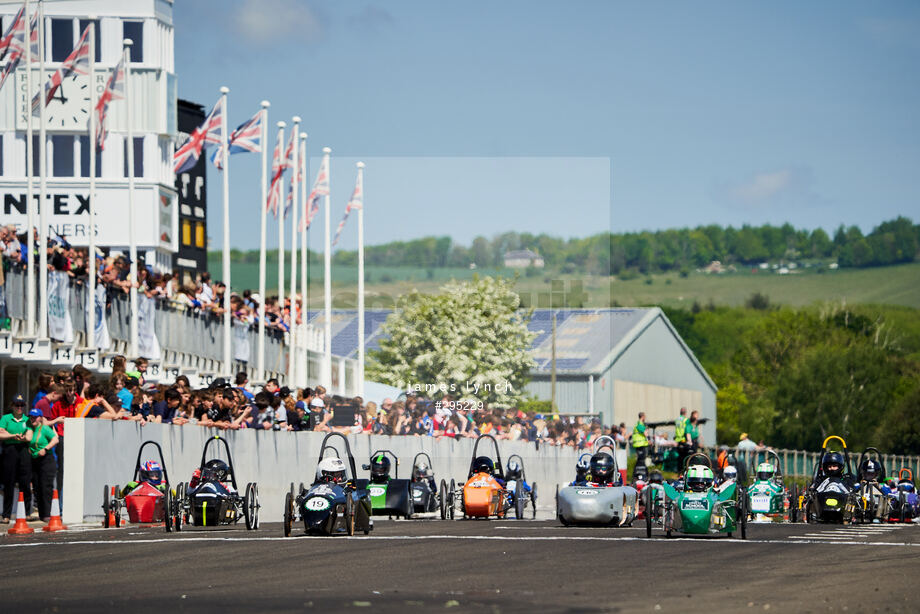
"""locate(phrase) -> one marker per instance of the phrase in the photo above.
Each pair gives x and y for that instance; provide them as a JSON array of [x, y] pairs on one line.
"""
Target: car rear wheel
[[251, 506], [442, 499], [533, 500], [648, 511], [451, 502], [349, 514], [288, 512], [116, 507], [168, 511], [518, 500], [743, 514], [106, 506], [794, 504]]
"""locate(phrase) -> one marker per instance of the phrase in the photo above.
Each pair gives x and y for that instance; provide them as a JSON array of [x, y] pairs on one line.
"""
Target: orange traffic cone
[[54, 523], [20, 528], [112, 522]]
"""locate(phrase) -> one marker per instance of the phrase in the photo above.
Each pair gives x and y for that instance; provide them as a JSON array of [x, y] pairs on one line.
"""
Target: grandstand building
[[610, 362]]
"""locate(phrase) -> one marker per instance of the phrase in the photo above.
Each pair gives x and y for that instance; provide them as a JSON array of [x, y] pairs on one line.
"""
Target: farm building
[[614, 362]]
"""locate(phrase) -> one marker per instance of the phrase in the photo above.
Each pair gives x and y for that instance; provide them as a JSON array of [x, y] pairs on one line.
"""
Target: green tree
[[470, 333]]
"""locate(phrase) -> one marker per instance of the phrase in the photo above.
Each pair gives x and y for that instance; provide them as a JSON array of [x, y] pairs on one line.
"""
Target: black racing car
[[423, 487], [831, 496]]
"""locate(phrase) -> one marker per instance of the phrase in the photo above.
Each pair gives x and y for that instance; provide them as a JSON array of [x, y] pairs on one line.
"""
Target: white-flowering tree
[[470, 342]]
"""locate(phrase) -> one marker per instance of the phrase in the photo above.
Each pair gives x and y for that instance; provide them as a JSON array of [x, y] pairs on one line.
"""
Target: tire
[[183, 503], [288, 512], [648, 511], [106, 505], [533, 500], [743, 515], [256, 506], [518, 500], [116, 508], [442, 500], [794, 505], [452, 503], [168, 505], [349, 514], [250, 507], [557, 504]]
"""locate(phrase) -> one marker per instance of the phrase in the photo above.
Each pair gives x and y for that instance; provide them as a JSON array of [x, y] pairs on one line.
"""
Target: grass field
[[894, 285]]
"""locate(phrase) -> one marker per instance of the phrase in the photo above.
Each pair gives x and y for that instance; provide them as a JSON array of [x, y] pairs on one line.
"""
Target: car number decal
[[760, 503], [322, 489], [694, 504], [377, 491], [586, 493], [480, 484], [316, 504]]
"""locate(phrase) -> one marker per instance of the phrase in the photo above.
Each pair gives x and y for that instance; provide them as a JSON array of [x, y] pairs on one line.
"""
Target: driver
[[729, 474], [484, 464], [870, 470], [602, 469], [150, 472], [421, 473], [832, 471], [215, 470], [380, 469], [699, 479], [655, 477], [765, 471], [514, 471], [331, 470], [582, 467]]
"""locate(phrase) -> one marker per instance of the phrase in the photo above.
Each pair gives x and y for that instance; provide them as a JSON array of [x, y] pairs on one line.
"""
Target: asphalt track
[[464, 566]]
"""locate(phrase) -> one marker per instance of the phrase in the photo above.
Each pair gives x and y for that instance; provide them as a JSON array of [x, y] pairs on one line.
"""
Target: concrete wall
[[100, 452]]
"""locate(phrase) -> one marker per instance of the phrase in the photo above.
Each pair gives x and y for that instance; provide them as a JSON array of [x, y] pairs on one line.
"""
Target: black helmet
[[483, 464], [216, 469], [832, 464], [514, 470], [655, 478], [380, 466], [870, 470], [582, 467], [640, 472], [602, 465]]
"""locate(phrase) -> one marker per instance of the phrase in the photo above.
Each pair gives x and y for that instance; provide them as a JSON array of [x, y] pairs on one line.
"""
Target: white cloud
[[785, 186], [267, 21]]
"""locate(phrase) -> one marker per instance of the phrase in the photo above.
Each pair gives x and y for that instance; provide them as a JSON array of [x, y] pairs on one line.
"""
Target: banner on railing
[[101, 338], [240, 341], [147, 344], [60, 327]]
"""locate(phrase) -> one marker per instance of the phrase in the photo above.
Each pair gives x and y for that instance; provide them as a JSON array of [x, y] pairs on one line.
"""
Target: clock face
[[69, 108]]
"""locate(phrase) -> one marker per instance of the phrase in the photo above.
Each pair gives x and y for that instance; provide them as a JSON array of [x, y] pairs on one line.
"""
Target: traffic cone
[[54, 523], [20, 528], [112, 510]]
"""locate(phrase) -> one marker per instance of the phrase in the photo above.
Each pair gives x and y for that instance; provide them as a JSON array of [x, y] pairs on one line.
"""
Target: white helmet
[[330, 470], [729, 473]]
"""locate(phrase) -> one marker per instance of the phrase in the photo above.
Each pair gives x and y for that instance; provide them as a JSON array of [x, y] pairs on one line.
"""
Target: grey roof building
[[614, 362]]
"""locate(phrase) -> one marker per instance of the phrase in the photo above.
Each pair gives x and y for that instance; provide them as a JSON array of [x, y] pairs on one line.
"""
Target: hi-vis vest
[[680, 429], [638, 438]]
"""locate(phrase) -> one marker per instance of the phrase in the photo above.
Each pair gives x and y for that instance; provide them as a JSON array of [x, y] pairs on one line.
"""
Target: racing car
[[904, 504], [699, 508], [334, 504], [872, 502], [514, 473], [485, 494], [212, 497], [390, 496], [144, 497], [769, 498], [425, 496], [830, 496], [602, 499]]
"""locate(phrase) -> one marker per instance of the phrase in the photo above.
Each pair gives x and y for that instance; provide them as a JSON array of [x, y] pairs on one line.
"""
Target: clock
[[69, 108]]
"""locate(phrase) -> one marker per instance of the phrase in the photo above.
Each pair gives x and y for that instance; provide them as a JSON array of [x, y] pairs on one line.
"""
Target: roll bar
[[137, 465]]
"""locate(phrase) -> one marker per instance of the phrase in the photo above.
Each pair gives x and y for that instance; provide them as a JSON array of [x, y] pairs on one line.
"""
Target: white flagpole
[[304, 305], [90, 339], [327, 282], [225, 162], [42, 184], [132, 247], [280, 197], [292, 355], [263, 141], [360, 373], [30, 166]]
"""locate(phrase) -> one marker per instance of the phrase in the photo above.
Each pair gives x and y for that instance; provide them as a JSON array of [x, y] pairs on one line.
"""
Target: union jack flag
[[274, 194], [320, 188], [209, 132], [246, 137], [76, 63], [114, 90], [16, 34], [7, 40], [290, 195], [355, 202]]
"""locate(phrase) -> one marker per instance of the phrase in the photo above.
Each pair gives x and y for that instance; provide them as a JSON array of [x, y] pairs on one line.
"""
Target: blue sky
[[572, 118]]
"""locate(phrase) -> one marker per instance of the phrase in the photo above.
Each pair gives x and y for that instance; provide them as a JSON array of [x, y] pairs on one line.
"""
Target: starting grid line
[[534, 538]]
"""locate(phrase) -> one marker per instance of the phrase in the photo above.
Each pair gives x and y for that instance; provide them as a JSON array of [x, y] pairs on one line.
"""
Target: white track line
[[660, 539]]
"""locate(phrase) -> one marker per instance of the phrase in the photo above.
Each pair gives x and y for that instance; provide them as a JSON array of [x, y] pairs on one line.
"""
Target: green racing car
[[768, 497], [699, 507]]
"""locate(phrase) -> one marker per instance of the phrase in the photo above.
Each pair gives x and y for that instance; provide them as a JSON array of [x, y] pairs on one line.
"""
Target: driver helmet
[[581, 469], [905, 485], [699, 478], [380, 466], [514, 470], [483, 464], [765, 471], [655, 477], [602, 465], [729, 473], [870, 470], [216, 469], [832, 464], [421, 471], [152, 472], [331, 470]]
